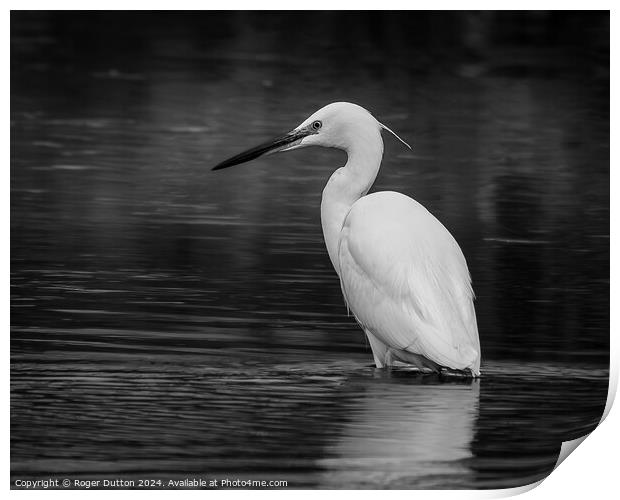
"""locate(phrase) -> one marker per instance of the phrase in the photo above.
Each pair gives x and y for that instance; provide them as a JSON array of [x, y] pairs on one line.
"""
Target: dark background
[[167, 320]]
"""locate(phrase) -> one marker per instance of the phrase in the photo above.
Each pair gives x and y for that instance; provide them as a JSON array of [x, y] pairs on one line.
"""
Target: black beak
[[273, 146]]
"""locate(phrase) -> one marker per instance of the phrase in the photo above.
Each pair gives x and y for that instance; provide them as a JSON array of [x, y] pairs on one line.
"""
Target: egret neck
[[348, 184]]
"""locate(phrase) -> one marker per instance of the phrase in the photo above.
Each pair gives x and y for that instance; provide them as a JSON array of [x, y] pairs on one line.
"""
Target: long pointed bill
[[281, 143]]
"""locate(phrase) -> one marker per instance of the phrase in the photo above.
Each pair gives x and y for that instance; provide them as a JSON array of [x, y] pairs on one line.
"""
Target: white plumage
[[402, 274], [405, 278]]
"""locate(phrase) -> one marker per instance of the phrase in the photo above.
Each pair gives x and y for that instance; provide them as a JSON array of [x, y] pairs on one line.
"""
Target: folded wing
[[406, 280]]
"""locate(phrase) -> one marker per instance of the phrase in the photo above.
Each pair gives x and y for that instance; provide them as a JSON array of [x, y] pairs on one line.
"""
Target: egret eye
[[316, 125]]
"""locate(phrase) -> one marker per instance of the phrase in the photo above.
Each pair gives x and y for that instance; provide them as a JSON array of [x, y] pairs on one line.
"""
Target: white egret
[[402, 274]]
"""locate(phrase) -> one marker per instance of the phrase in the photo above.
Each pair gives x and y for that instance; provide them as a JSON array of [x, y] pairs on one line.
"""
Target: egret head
[[338, 125]]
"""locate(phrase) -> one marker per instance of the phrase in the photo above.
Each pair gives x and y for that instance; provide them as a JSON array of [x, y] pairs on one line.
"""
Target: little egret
[[402, 274]]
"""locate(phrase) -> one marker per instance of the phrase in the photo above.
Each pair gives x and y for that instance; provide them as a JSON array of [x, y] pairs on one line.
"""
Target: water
[[169, 322]]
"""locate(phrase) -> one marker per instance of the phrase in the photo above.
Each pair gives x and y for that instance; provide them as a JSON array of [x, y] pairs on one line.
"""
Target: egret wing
[[406, 280]]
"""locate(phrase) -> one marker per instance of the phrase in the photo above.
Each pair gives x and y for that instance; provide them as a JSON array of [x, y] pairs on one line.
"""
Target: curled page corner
[[567, 448]]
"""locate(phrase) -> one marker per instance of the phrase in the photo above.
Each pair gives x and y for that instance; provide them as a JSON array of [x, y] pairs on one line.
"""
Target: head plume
[[385, 127]]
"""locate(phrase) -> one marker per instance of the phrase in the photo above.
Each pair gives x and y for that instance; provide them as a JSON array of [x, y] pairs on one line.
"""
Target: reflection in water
[[405, 432], [165, 321], [135, 404]]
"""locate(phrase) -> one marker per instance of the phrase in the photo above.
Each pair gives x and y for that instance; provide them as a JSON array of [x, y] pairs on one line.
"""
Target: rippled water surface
[[170, 322]]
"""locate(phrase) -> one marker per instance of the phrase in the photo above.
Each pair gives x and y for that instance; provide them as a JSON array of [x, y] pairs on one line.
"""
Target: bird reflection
[[405, 431]]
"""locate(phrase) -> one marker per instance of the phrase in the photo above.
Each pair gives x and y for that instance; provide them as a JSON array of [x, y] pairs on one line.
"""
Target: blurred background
[[169, 320]]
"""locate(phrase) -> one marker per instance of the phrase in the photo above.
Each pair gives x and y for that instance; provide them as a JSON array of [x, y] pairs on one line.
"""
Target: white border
[[312, 5], [589, 472]]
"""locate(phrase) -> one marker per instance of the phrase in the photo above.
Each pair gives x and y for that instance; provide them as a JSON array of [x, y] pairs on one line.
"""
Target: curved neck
[[347, 185]]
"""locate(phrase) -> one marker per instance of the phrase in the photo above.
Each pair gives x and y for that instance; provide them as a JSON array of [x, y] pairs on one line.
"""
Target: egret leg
[[386, 356], [420, 362], [449, 372], [379, 349]]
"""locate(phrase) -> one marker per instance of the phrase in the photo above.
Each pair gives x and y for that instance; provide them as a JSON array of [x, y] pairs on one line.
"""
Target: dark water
[[169, 322]]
